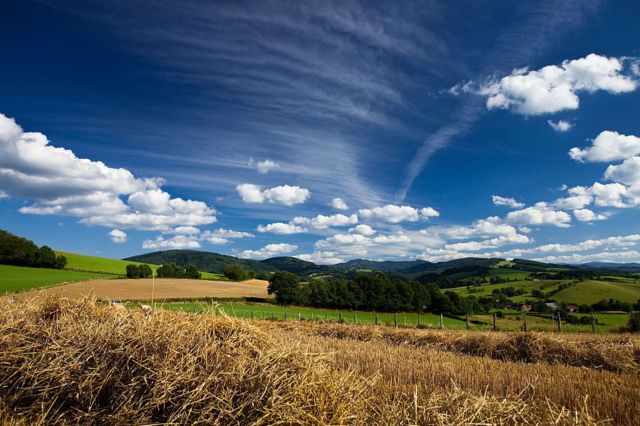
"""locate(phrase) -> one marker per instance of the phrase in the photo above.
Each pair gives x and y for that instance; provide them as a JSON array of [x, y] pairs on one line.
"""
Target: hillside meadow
[[77, 362], [20, 278]]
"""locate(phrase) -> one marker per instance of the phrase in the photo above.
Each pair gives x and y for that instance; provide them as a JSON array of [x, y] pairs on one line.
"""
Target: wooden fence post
[[559, 323], [593, 323], [286, 317], [376, 318], [441, 322], [299, 316], [355, 320], [340, 316], [495, 328], [524, 319], [395, 320], [466, 316], [418, 321], [251, 314]]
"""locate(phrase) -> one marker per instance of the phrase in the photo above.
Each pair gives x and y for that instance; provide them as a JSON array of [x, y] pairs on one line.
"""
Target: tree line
[[170, 270], [374, 291], [19, 251]]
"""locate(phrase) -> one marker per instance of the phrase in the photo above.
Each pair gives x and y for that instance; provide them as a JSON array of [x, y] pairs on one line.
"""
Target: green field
[[591, 291], [80, 262], [19, 278], [263, 310], [527, 286], [605, 323]]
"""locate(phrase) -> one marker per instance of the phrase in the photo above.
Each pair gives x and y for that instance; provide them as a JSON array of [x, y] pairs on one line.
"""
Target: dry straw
[[75, 362]]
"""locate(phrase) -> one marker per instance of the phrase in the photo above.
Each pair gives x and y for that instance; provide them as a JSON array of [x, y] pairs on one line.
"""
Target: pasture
[[83, 262], [591, 291], [20, 278], [276, 312]]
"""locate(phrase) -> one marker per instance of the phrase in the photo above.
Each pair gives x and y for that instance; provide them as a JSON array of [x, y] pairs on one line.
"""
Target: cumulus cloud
[[506, 201], [608, 146], [222, 236], [392, 213], [118, 236], [281, 228], [628, 172], [186, 230], [561, 126], [540, 214], [321, 257], [264, 166], [339, 204], [57, 182], [586, 215], [490, 243], [362, 229], [323, 222], [270, 250], [283, 194], [555, 88], [175, 242]]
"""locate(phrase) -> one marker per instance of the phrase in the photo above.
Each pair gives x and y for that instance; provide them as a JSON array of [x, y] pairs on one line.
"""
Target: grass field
[[20, 278], [83, 262], [263, 310], [589, 292], [605, 323], [75, 362], [527, 286]]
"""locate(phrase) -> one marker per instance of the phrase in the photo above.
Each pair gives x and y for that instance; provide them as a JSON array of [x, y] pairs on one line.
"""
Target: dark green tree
[[235, 272], [133, 271], [285, 286], [192, 272]]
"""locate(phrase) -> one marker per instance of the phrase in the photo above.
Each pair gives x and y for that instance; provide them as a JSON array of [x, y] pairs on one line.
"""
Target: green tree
[[285, 286], [192, 272], [133, 271], [145, 271], [235, 272]]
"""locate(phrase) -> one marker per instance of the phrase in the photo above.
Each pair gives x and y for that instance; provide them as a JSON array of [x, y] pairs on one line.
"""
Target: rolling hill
[[204, 261]]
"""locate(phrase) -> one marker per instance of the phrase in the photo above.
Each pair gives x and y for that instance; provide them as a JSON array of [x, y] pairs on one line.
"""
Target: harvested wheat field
[[74, 361], [165, 288]]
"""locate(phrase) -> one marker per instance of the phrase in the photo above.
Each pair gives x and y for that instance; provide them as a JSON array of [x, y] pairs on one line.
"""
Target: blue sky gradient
[[406, 111]]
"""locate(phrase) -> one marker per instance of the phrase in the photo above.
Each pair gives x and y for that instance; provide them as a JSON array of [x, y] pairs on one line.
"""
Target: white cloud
[[540, 214], [608, 146], [586, 215], [118, 236], [3, 195], [628, 172], [321, 257], [606, 256], [270, 250], [392, 213], [555, 88], [186, 230], [264, 166], [281, 228], [222, 236], [490, 243], [506, 201], [283, 194], [322, 221], [339, 204], [58, 182], [175, 242], [362, 229], [489, 227], [561, 126]]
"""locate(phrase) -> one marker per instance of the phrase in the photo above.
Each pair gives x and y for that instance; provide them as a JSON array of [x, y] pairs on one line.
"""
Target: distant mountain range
[[215, 263]]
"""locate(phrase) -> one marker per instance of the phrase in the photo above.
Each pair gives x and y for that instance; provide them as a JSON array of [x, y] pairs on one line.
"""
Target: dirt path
[[166, 288]]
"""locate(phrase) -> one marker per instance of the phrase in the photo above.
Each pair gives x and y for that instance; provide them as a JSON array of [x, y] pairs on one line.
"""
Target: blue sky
[[323, 130]]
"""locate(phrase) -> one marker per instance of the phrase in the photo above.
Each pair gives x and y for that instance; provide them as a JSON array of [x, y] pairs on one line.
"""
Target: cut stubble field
[[165, 288]]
